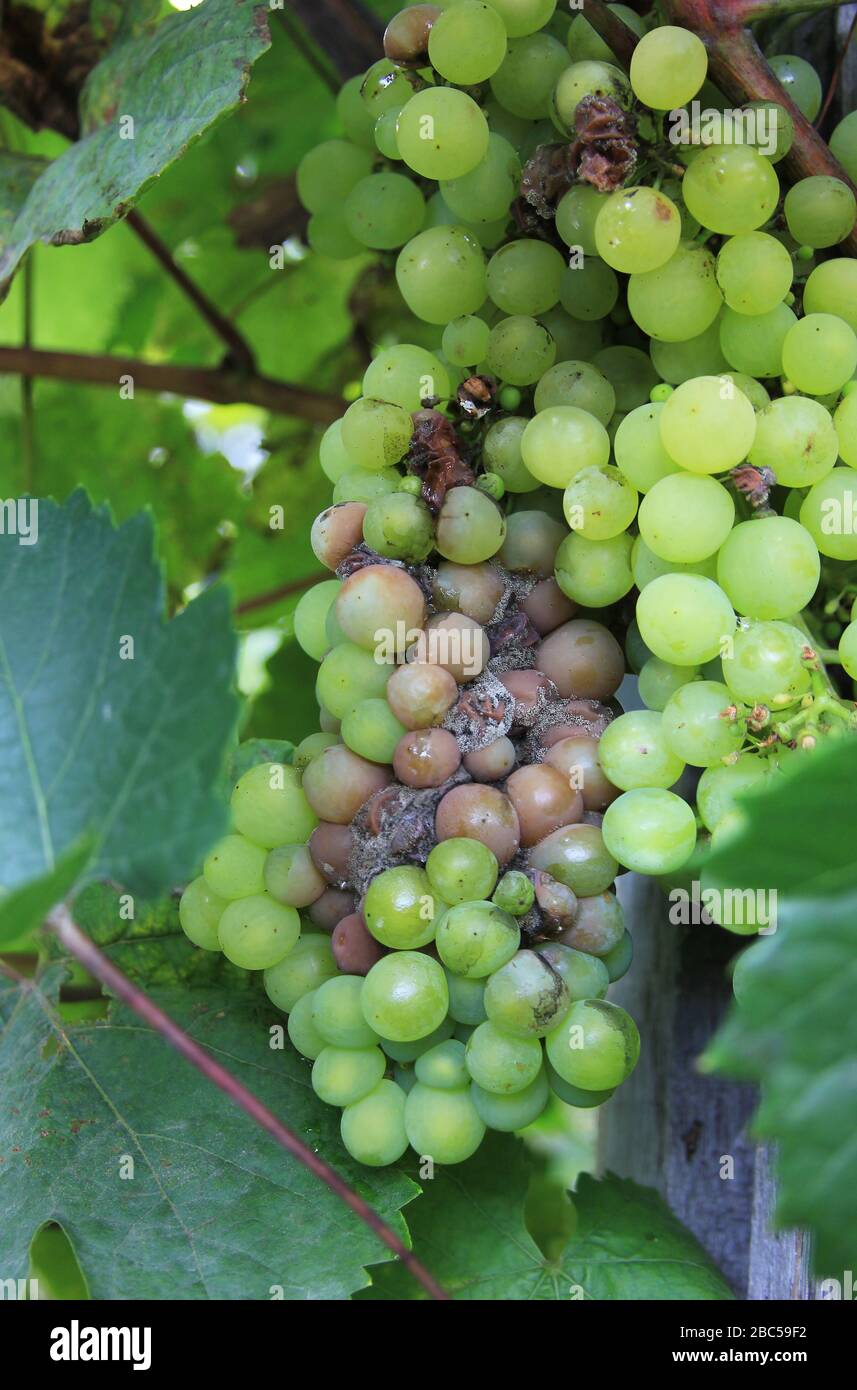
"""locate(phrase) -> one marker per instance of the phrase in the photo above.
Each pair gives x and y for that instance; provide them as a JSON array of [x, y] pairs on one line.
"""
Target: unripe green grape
[[200, 911], [303, 1034], [699, 356], [587, 78], [679, 299], [584, 41], [354, 115], [820, 354], [400, 908], [501, 1063], [796, 438], [405, 1053], [311, 614], [373, 1128], [773, 123], [579, 384], [406, 375], [338, 1012], [526, 997], [470, 527], [501, 453], [800, 80], [731, 189], [638, 448], [405, 996], [327, 235], [843, 144], [347, 675], [441, 133], [375, 434], [485, 194], [525, 80], [524, 276], [576, 214], [848, 650], [769, 567], [829, 514], [618, 960], [845, 422], [342, 1075], [467, 42], [519, 350], [599, 503], [707, 425], [291, 876], [466, 999], [462, 870], [532, 540], [634, 751], [257, 932], [686, 517], [595, 573], [371, 730], [575, 1095], [465, 340], [384, 210], [484, 234], [636, 651], [668, 67], [399, 526], [650, 830], [561, 440], [596, 1046], [658, 680], [364, 485], [630, 373], [441, 273], [684, 618], [637, 229], [307, 966], [696, 724], [510, 1113], [385, 133], [442, 1125], [235, 868], [589, 291], [576, 856], [524, 16], [514, 893], [269, 806], [385, 85], [585, 975], [329, 171], [443, 1067], [646, 565], [755, 272], [574, 339], [476, 938], [832, 289], [721, 789], [332, 454]]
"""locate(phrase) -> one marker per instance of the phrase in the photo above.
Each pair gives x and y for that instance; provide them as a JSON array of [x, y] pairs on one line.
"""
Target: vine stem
[[221, 385], [295, 586], [837, 73], [79, 945]]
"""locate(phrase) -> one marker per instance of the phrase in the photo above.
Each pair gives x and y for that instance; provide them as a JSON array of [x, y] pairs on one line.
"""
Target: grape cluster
[[629, 406]]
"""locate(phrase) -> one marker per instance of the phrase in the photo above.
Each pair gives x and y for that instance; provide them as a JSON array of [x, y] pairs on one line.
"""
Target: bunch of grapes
[[630, 407]]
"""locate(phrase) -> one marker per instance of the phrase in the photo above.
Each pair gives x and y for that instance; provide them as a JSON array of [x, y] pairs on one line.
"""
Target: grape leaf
[[23, 907], [468, 1227], [173, 84], [214, 1208], [793, 1028], [258, 750], [112, 723]]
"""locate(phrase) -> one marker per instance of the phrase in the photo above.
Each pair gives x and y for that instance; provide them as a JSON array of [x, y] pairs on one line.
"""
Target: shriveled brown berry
[[330, 845], [525, 686], [557, 902], [426, 757], [406, 36]]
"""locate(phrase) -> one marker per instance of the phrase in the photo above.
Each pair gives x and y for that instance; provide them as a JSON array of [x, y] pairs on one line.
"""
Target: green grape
[[406, 375], [307, 966], [699, 356], [584, 42], [372, 730], [679, 299], [311, 614], [596, 1047], [384, 210], [766, 664], [405, 996], [848, 650], [501, 1063], [524, 81], [407, 1052], [375, 434], [832, 289], [585, 975], [354, 115], [373, 1128], [684, 618], [639, 453], [658, 680], [302, 1032], [574, 339], [637, 229], [599, 503], [590, 290], [586, 79], [769, 567], [487, 192], [796, 438], [668, 67], [235, 868], [269, 807], [820, 354], [595, 573], [291, 876], [475, 938], [329, 171], [520, 350], [650, 830], [328, 235], [696, 727], [385, 86], [524, 277], [523, 16], [636, 651], [575, 1095], [630, 372], [400, 908], [466, 999], [526, 997], [634, 752], [576, 214], [501, 452], [646, 565], [707, 425], [443, 1066], [441, 133], [845, 421], [385, 133], [338, 1012], [576, 856], [755, 272], [514, 893], [360, 485], [441, 273], [342, 1075], [486, 234], [618, 959], [200, 911], [462, 871], [467, 42], [753, 343], [404, 1077], [470, 527], [510, 1113], [801, 81], [465, 340], [399, 526], [843, 144], [257, 932], [730, 189], [331, 453], [561, 440], [347, 675], [829, 514], [686, 517], [578, 384], [753, 390], [442, 1125], [820, 210], [721, 789]]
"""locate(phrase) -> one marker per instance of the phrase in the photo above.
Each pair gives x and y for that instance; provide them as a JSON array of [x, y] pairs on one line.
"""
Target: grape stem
[[69, 934]]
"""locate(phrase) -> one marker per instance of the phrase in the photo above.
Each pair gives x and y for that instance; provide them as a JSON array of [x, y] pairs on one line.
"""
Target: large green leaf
[[173, 83], [793, 1029], [112, 723], [212, 1208], [468, 1227]]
